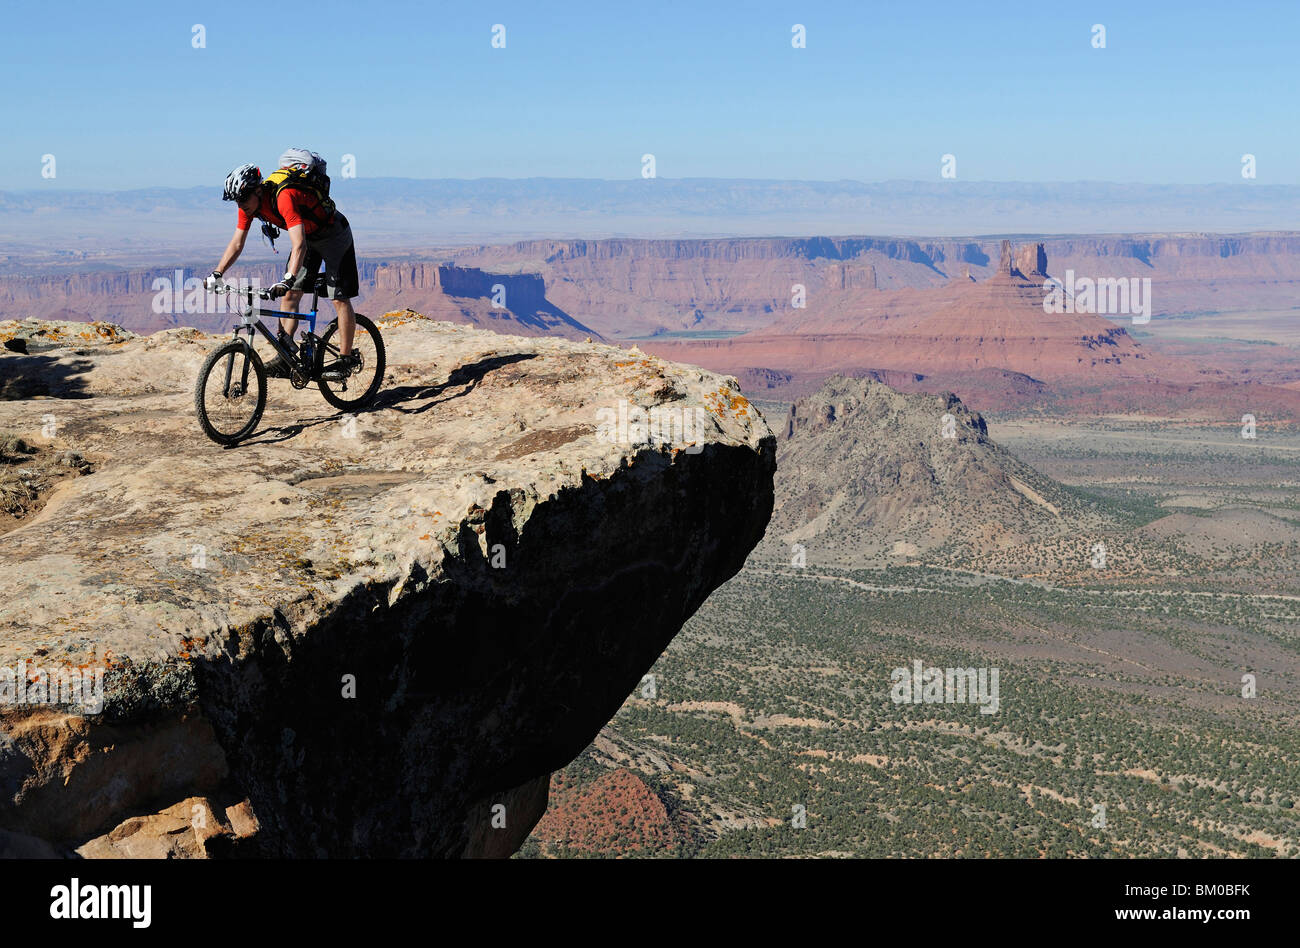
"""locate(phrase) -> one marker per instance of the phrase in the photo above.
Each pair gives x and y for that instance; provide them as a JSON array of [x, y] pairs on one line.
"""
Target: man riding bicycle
[[318, 233]]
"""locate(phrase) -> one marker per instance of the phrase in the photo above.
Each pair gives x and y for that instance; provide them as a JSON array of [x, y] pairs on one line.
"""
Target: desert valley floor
[[1122, 730]]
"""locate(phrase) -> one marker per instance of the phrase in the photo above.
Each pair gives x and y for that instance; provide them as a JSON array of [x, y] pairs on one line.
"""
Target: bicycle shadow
[[285, 432], [465, 377]]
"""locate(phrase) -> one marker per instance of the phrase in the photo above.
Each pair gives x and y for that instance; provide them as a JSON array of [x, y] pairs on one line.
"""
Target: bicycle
[[229, 413]]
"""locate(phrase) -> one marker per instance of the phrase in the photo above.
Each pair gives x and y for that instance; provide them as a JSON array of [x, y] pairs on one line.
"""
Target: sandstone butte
[[486, 575]]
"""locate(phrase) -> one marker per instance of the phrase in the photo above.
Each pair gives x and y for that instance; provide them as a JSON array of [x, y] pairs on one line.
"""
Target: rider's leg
[[304, 278], [291, 299], [340, 258], [347, 324]]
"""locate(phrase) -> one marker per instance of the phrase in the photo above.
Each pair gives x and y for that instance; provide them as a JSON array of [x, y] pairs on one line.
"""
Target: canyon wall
[[636, 288], [153, 298]]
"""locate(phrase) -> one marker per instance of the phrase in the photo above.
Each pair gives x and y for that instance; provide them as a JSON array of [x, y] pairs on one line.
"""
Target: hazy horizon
[[57, 187], [415, 213]]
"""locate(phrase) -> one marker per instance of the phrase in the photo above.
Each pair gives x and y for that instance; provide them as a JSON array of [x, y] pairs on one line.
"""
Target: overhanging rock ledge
[[351, 636]]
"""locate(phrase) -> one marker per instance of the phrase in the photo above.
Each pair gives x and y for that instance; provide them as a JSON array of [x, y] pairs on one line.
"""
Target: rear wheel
[[359, 388], [231, 393]]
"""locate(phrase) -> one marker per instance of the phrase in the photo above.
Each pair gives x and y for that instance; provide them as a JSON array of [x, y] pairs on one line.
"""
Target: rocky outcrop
[[867, 472], [1031, 261], [1005, 263], [351, 636], [1025, 262]]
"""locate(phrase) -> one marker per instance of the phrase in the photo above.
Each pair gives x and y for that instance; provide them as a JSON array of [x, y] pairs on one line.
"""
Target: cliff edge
[[351, 636]]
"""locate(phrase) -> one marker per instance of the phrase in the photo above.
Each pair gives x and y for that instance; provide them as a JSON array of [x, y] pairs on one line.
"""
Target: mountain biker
[[318, 233]]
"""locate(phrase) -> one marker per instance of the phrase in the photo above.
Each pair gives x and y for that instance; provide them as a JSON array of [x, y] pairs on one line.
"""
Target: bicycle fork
[[230, 366]]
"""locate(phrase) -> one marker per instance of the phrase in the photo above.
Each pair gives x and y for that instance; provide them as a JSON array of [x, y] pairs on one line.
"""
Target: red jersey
[[294, 207]]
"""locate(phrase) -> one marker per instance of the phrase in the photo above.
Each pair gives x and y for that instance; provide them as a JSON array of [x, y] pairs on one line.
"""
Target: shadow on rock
[[466, 375], [27, 376], [397, 398], [284, 432]]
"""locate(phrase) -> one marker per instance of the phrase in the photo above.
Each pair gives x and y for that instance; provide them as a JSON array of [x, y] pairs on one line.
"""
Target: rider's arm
[[299, 252], [233, 250]]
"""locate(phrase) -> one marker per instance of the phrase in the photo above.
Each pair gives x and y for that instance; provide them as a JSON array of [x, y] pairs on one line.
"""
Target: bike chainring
[[297, 379]]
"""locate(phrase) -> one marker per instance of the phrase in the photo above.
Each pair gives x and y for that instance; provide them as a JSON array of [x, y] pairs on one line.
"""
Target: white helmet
[[241, 181]]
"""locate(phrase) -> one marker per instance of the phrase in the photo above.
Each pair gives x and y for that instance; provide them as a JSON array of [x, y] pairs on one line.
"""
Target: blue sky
[[1014, 89]]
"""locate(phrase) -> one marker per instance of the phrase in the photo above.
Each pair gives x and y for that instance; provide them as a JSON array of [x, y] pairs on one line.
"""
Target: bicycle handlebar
[[261, 292]]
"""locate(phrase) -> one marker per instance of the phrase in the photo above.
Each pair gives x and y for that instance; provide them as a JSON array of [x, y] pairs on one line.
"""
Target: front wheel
[[359, 388], [231, 393]]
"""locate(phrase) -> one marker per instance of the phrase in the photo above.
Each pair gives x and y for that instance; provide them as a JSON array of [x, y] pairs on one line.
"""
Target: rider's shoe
[[276, 369], [342, 368]]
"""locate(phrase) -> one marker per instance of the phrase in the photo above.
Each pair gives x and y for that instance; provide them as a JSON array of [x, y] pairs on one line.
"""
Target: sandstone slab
[[371, 627]]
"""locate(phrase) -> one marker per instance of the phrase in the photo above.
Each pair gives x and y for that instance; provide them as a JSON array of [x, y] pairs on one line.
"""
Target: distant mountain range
[[393, 211]]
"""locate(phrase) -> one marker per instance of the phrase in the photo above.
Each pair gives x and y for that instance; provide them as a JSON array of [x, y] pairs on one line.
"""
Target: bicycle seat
[[322, 286]]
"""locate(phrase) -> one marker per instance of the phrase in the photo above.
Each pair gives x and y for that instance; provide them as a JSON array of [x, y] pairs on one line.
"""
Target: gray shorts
[[331, 245]]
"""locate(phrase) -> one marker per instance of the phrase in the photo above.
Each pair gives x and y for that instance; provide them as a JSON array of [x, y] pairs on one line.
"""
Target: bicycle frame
[[313, 362], [252, 322]]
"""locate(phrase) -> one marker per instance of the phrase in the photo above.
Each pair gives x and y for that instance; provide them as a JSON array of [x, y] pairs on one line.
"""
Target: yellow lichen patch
[[398, 318], [190, 646], [724, 399]]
